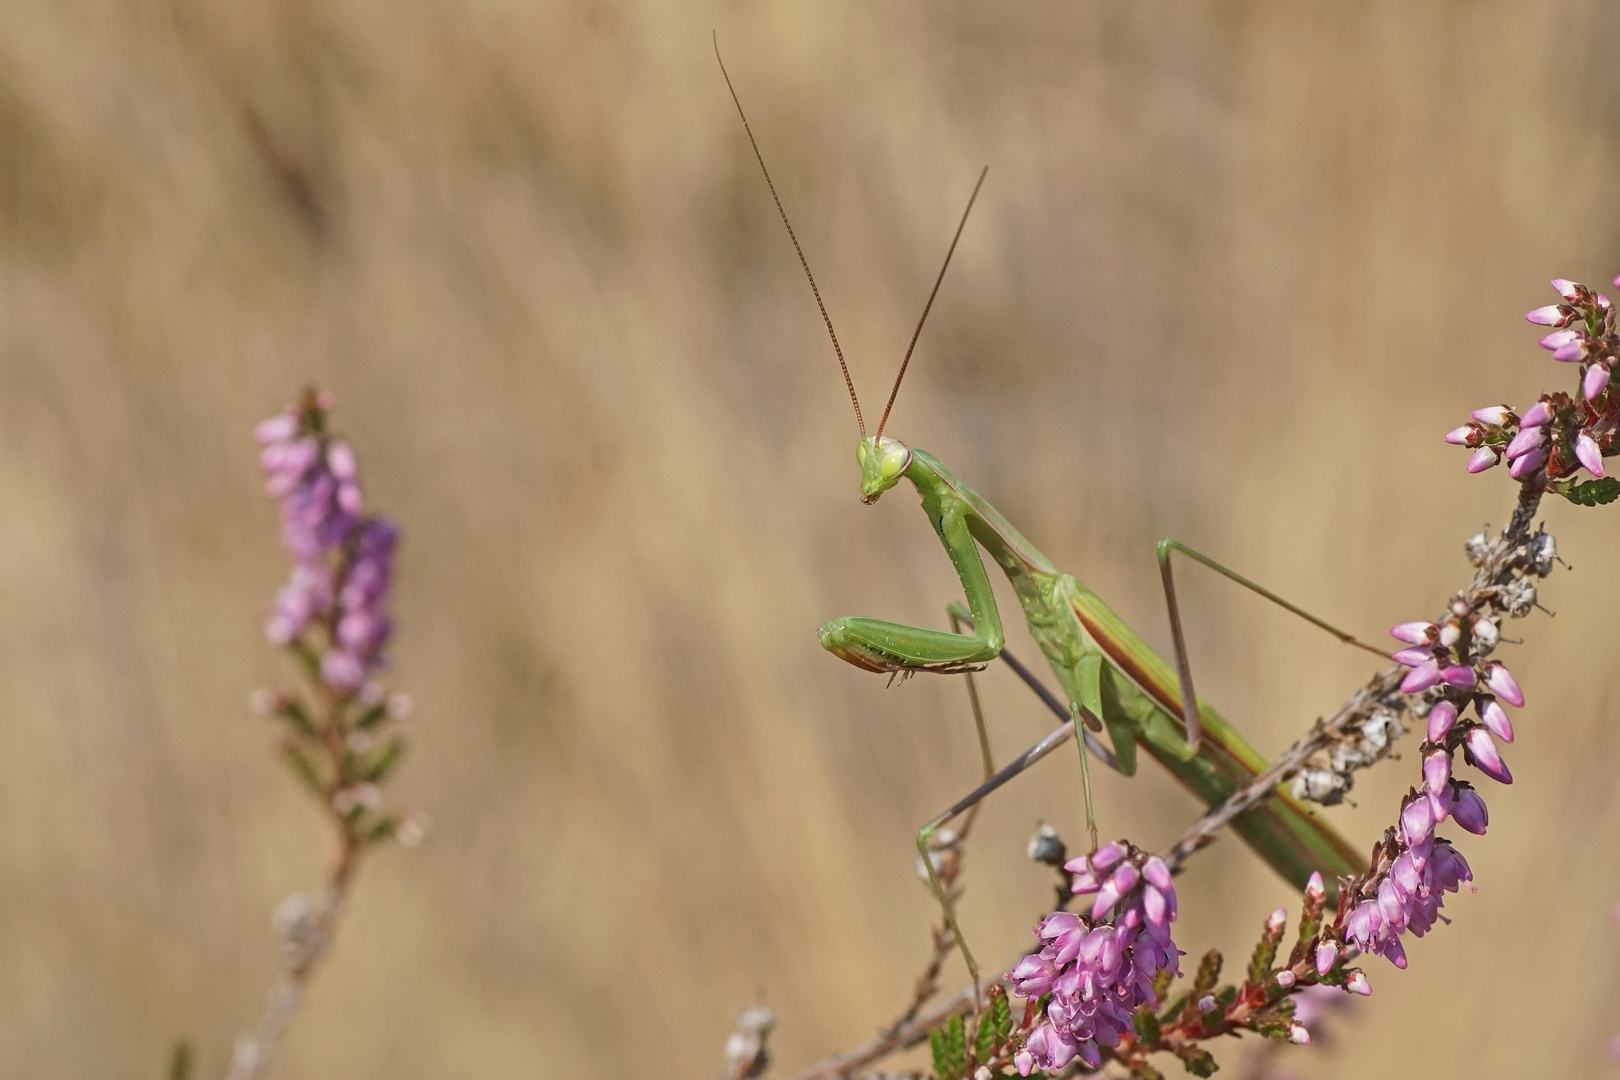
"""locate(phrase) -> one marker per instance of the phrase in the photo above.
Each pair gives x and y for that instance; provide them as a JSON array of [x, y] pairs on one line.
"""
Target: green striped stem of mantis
[[1112, 679]]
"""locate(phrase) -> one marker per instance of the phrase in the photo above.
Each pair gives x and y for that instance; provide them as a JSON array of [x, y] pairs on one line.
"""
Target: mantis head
[[883, 462]]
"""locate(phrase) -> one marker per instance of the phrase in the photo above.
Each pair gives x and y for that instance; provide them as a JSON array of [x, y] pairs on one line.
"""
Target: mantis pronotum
[[1112, 680]]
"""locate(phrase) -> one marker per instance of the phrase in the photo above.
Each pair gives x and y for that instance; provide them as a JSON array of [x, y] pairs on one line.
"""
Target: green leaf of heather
[[381, 830], [386, 760], [1000, 1015], [956, 1045], [305, 769], [936, 1046], [1591, 493], [372, 716], [1147, 1025], [1265, 953], [1209, 971], [297, 717], [1198, 1061]]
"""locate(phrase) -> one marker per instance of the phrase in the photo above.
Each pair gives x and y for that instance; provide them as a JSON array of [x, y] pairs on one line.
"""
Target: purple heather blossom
[[1552, 315], [1441, 717], [1469, 810], [1484, 458], [1503, 684], [1098, 970], [1588, 453], [1482, 752], [1408, 899], [1535, 416], [343, 559]]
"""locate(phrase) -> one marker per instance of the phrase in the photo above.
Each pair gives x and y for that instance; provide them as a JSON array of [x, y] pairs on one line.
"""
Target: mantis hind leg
[[1189, 696]]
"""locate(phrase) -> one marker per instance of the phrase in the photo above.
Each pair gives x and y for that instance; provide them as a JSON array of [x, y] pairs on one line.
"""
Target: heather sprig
[[337, 732], [1560, 433]]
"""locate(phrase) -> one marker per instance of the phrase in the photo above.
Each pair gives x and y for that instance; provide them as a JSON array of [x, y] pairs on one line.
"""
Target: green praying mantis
[[1112, 680]]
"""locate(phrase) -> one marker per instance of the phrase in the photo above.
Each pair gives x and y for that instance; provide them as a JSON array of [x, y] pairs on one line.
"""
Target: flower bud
[[1468, 810], [1314, 889], [1485, 631], [1551, 315], [1528, 464], [1297, 1034], [1493, 415], [1277, 921], [1417, 821], [1413, 633], [1441, 717], [1559, 338], [1496, 719], [1436, 770], [1421, 678], [1486, 758], [1325, 955], [1483, 458], [1024, 1062], [1572, 291], [1450, 634], [1587, 452], [1536, 415], [1157, 873], [1595, 381], [1358, 984], [1527, 440], [1572, 352], [1459, 675], [1467, 435], [1285, 978], [1414, 656], [1502, 683]]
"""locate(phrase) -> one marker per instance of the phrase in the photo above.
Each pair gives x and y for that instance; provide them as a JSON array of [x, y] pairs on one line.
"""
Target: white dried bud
[[1518, 596], [1477, 549], [1320, 786]]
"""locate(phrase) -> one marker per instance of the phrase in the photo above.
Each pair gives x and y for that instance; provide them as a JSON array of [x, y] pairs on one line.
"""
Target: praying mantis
[[1112, 680]]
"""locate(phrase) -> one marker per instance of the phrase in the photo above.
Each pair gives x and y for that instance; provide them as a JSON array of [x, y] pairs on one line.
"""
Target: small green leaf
[[1143, 1071], [956, 1046], [1199, 1062], [180, 1061], [293, 711], [1591, 493], [385, 761], [1001, 1015], [1265, 952], [305, 769], [1147, 1025], [380, 830], [372, 716], [936, 1046], [1209, 970]]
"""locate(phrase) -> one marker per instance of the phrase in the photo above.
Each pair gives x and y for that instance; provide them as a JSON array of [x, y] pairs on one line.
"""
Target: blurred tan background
[[1236, 268]]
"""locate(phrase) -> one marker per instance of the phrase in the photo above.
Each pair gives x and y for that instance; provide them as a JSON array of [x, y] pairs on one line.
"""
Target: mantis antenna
[[928, 306], [848, 382]]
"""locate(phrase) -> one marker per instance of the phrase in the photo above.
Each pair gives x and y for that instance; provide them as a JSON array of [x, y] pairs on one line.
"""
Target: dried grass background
[[1236, 268]]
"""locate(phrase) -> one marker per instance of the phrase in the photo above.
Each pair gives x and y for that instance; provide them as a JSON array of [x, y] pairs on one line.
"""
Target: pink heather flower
[[1298, 1034], [1098, 971], [1436, 770], [1421, 677], [1586, 450], [1467, 435], [1358, 984], [1528, 464], [1559, 338], [1410, 898], [1536, 415], [1572, 352], [1417, 821], [1468, 809], [1493, 415], [1413, 633], [1496, 719], [1485, 757], [1459, 675], [1595, 381], [343, 561], [1502, 683], [1024, 1062], [1552, 315], [1528, 440], [1572, 291], [1483, 458], [1441, 717]]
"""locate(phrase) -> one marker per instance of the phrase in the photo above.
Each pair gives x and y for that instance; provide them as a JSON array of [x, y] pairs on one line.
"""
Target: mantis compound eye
[[860, 453], [895, 459]]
